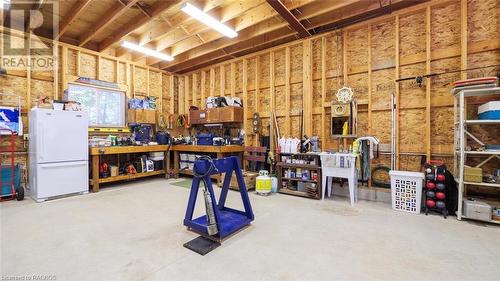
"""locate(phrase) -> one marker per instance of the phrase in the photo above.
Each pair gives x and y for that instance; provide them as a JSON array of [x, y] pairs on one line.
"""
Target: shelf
[[190, 172], [483, 183], [477, 90], [296, 193], [299, 179], [483, 152], [302, 166], [482, 121], [131, 176], [491, 221]]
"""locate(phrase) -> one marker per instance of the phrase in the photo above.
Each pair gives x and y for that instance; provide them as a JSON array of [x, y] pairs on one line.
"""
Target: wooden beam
[[222, 80], [288, 128], [294, 23], [463, 38], [428, 83], [74, 12], [307, 84], [112, 14], [323, 132], [370, 88], [135, 23], [397, 94], [233, 79], [245, 96]]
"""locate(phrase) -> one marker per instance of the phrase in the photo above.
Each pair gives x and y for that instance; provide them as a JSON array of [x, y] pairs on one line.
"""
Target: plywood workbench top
[[126, 149], [208, 148]]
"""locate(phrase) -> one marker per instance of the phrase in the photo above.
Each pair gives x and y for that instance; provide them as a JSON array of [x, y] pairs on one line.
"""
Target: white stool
[[329, 169]]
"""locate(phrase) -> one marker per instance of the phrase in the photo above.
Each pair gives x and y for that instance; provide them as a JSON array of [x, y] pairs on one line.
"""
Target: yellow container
[[473, 174]]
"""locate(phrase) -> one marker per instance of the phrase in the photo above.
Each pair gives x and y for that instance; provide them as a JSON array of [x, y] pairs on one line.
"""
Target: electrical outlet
[[26, 137]]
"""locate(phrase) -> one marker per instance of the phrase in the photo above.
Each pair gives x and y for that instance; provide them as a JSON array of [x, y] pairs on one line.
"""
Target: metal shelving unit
[[462, 133]]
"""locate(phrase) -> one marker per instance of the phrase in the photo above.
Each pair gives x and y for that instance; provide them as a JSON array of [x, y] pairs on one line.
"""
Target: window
[[106, 107]]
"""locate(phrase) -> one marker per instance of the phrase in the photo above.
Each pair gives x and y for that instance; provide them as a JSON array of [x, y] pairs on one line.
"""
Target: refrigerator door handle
[[65, 164]]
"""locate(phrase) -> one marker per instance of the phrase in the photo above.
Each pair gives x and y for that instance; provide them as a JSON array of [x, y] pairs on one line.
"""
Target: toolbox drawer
[[198, 117], [231, 114]]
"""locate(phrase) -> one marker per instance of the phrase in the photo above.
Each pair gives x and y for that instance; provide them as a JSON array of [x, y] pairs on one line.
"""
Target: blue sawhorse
[[228, 220]]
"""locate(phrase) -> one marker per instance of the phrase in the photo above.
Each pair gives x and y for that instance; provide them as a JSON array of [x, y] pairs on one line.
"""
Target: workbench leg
[[176, 164], [219, 179], [95, 173], [166, 164]]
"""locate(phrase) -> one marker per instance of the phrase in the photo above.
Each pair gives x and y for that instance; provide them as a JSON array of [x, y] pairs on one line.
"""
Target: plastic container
[[6, 174], [406, 191], [489, 111], [205, 139]]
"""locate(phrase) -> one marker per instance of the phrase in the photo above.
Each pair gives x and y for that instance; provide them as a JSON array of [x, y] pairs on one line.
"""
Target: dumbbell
[[440, 186], [440, 205], [430, 194], [430, 185], [430, 203], [440, 195]]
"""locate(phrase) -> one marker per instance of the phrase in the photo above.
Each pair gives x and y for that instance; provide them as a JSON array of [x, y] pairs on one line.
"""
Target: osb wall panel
[[88, 66], [316, 125], [440, 84], [358, 84], [445, 26], [217, 81], [140, 81], [441, 127], [382, 126], [383, 87], [296, 63], [227, 79], [295, 130], [251, 73], [279, 67], [411, 163], [333, 84], [166, 94], [357, 49], [251, 101], [207, 84], [316, 58], [264, 101], [412, 129], [482, 20], [198, 88], [411, 95], [238, 75], [122, 73], [155, 84], [412, 34], [296, 98], [107, 71], [41, 89], [334, 54], [316, 93], [383, 44], [264, 70], [280, 95], [71, 69], [484, 59]]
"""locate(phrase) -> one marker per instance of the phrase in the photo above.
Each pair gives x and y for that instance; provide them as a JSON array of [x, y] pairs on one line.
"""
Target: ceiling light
[[203, 17], [5, 4], [147, 51]]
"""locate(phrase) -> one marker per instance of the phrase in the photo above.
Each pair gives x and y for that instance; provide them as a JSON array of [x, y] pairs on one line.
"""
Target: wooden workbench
[[219, 151], [96, 152]]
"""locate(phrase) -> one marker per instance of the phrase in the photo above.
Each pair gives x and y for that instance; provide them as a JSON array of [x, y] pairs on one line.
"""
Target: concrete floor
[[134, 231]]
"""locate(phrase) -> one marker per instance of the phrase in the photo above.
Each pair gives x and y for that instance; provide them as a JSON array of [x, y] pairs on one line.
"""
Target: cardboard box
[[113, 170], [231, 114], [143, 116], [472, 174], [197, 117], [249, 178]]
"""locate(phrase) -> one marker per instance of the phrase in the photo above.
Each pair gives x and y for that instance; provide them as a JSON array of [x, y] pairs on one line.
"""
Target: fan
[[344, 95]]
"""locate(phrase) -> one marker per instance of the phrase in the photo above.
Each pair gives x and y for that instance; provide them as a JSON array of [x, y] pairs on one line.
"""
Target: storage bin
[[489, 111], [184, 156], [406, 191], [472, 174], [248, 177], [205, 139], [6, 176], [477, 210]]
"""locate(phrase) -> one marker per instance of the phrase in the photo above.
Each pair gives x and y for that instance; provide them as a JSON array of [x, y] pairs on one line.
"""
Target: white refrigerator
[[58, 153]]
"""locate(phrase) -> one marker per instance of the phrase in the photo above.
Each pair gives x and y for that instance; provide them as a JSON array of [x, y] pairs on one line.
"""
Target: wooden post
[[287, 92], [428, 83], [233, 78], [307, 86], [195, 94], [64, 69], [369, 80], [463, 38], [257, 94], [186, 95], [212, 82], [202, 90], [222, 80], [397, 94], [171, 91], [55, 74], [147, 81], [272, 106], [245, 96], [323, 93], [128, 80], [78, 63], [98, 68]]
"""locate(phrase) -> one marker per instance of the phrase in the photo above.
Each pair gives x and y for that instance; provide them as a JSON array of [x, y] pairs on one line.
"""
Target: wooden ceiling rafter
[[245, 35], [282, 10], [251, 19], [135, 23], [74, 12], [112, 14], [225, 15]]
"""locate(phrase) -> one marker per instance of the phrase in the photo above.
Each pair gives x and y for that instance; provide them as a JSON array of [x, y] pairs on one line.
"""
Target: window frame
[[125, 102]]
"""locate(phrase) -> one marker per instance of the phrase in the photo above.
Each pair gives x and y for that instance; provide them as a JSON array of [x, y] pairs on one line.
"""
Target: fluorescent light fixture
[[147, 51], [203, 17], [4, 4]]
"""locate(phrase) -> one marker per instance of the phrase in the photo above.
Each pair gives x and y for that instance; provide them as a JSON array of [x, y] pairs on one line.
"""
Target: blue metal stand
[[228, 220]]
